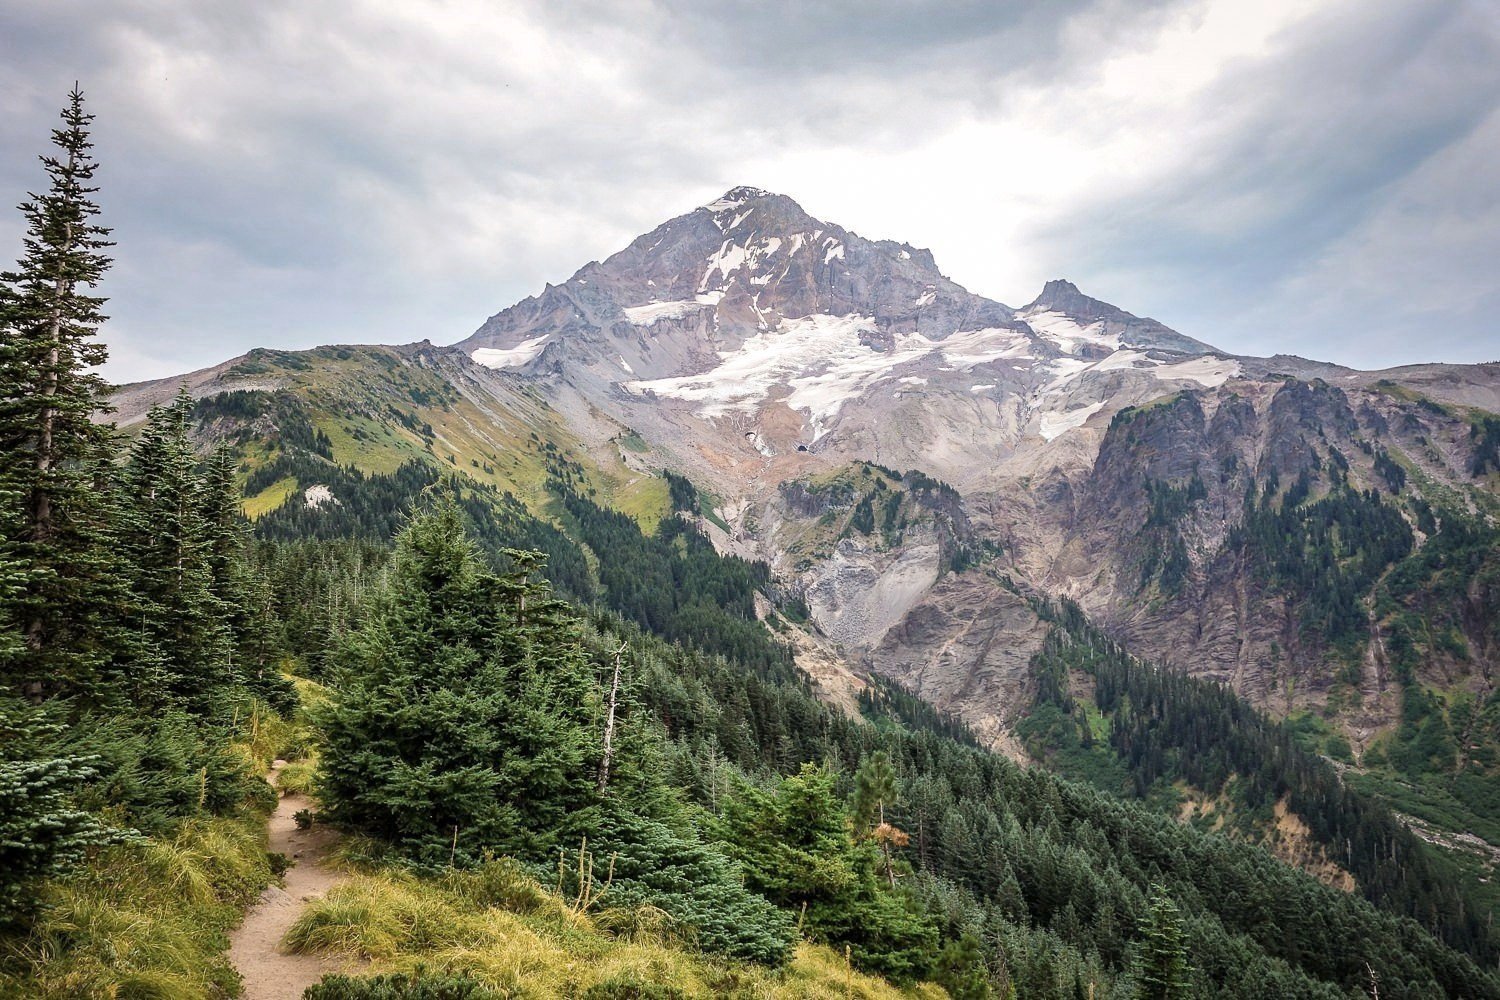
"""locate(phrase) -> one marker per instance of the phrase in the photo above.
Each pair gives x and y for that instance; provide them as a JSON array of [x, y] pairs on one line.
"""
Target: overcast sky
[[1318, 178]]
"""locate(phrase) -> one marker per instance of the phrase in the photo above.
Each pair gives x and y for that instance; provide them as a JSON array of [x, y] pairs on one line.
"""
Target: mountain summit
[[1061, 297], [742, 265], [754, 316]]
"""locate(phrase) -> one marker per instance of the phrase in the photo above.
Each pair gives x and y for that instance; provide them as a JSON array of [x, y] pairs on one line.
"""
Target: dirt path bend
[[255, 946]]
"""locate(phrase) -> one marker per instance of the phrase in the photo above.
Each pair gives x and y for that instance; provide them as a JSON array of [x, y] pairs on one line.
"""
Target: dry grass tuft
[[145, 920], [499, 926]]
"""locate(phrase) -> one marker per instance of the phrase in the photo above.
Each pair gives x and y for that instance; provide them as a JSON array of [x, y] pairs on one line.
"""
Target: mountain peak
[[737, 196], [1061, 295]]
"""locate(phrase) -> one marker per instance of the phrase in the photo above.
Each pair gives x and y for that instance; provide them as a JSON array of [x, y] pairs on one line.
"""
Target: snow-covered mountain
[[765, 353], [775, 333], [908, 455]]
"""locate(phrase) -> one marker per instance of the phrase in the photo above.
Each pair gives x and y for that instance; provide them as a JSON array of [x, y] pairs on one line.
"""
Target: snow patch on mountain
[[510, 357], [1207, 371], [1065, 332], [1052, 424], [822, 359], [652, 312], [825, 361], [730, 258], [969, 348], [1125, 359], [1065, 370]]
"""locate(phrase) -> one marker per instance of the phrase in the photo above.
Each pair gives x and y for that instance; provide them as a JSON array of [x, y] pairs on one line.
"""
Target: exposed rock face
[[967, 646], [707, 281]]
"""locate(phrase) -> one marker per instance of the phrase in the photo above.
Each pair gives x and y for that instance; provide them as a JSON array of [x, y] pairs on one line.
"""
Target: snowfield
[[820, 358], [1054, 423], [1067, 334], [511, 357], [825, 363], [651, 312], [1206, 371]]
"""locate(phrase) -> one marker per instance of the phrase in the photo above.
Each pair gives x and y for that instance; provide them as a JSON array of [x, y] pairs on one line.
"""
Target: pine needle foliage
[[42, 832], [466, 720], [1164, 972], [54, 458]]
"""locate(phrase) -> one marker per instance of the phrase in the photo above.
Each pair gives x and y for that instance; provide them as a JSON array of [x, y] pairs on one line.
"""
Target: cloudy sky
[[1319, 178]]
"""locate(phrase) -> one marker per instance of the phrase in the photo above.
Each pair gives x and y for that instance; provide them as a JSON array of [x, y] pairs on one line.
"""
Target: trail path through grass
[[255, 946]]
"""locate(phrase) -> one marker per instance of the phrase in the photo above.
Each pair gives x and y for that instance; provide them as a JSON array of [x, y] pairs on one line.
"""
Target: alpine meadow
[[756, 612]]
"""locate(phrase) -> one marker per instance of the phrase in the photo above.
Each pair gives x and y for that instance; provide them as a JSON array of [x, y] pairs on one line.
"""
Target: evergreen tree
[[469, 717], [177, 614], [874, 790], [795, 842], [1163, 967], [798, 850], [241, 592], [960, 969], [42, 833], [53, 457], [694, 883]]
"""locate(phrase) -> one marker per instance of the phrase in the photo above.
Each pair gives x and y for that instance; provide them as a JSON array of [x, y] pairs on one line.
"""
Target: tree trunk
[[41, 499], [609, 724], [885, 847]]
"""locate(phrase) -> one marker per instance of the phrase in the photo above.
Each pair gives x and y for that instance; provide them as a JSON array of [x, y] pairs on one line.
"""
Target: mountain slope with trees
[[540, 674]]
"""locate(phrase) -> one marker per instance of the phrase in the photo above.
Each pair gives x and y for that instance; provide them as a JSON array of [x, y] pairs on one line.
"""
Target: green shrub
[[631, 987], [153, 773], [696, 886], [399, 986]]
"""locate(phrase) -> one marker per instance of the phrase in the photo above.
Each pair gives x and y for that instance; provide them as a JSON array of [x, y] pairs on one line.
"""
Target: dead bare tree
[[609, 723]]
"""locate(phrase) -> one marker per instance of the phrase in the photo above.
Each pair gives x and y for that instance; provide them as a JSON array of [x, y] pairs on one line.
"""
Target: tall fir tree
[[875, 790], [238, 587], [54, 459], [177, 614], [1164, 971], [469, 720]]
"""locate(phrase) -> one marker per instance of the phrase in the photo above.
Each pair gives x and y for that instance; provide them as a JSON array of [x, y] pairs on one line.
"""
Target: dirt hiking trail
[[255, 949]]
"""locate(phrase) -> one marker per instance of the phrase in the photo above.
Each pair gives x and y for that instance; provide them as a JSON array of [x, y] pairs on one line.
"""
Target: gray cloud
[[1275, 176]]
